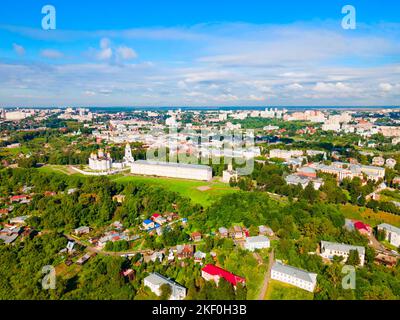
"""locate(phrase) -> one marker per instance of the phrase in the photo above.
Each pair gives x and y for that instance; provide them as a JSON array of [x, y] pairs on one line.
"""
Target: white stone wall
[[171, 171], [283, 277]]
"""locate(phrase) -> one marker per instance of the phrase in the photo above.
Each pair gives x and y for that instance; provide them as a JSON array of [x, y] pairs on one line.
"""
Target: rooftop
[[342, 247], [172, 164], [389, 227], [294, 272]]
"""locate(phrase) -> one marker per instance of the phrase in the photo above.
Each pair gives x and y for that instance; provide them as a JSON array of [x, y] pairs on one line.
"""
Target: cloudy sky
[[203, 53]]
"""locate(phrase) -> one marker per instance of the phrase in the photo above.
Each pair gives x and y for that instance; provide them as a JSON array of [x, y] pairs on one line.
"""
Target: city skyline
[[224, 55]]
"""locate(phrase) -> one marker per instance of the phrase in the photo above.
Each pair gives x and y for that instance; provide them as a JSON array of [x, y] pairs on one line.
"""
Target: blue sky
[[211, 53]]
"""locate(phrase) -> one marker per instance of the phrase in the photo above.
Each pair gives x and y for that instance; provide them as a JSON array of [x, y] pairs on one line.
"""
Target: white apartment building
[[294, 276], [155, 280], [331, 249], [172, 170], [392, 234], [346, 170], [258, 242], [296, 179], [285, 154]]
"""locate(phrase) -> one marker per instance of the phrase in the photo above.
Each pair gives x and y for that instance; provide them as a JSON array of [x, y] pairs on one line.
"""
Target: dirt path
[[267, 276]]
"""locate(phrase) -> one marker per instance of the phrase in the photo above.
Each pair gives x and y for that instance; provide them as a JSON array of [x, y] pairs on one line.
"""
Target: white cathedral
[[102, 161]]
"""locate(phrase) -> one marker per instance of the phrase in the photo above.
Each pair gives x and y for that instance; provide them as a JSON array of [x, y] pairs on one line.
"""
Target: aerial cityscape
[[202, 160]]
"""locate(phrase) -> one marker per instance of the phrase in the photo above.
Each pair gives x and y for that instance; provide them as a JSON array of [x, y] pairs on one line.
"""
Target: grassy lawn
[[282, 291], [187, 188], [369, 216]]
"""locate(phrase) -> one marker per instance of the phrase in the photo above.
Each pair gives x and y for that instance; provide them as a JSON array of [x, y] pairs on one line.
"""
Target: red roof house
[[154, 216], [212, 272], [362, 227], [18, 198], [196, 236]]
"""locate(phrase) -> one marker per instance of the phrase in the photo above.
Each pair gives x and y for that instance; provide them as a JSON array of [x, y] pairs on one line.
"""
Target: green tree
[[166, 291], [354, 258]]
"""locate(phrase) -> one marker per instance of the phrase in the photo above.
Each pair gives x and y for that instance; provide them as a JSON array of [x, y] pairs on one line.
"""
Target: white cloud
[[216, 64], [331, 87], [51, 54], [19, 50], [386, 87], [126, 53], [105, 43], [253, 97], [89, 93], [294, 87], [105, 54]]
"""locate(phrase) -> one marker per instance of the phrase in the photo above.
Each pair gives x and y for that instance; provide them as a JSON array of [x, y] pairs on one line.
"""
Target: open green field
[[369, 216], [282, 291], [187, 188]]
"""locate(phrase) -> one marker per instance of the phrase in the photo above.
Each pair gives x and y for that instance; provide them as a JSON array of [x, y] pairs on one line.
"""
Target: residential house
[[199, 256], [171, 216], [390, 163], [294, 276], [196, 236], [212, 272], [392, 234], [386, 260], [363, 228], [157, 218], [129, 274], [171, 256], [331, 249], [9, 235], [19, 198], [155, 280], [396, 180], [258, 242], [148, 224], [349, 225], [117, 225], [237, 233], [378, 161], [120, 198], [71, 191], [263, 230], [82, 230], [19, 220], [223, 232], [157, 256], [82, 260], [184, 251]]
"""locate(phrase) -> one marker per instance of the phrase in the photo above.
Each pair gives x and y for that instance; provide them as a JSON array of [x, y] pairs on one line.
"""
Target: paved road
[[267, 276]]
